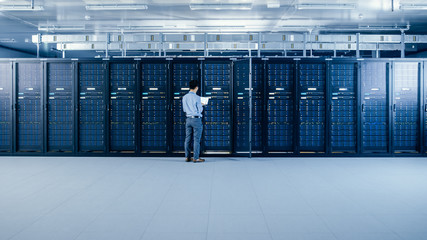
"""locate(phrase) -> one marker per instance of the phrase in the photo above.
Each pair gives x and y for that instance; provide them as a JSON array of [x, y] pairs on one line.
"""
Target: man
[[193, 108]]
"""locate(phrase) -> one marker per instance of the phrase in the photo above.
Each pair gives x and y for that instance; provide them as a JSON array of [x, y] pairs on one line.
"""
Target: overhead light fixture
[[221, 6], [113, 7], [20, 8], [273, 4], [413, 6], [7, 40], [331, 6]]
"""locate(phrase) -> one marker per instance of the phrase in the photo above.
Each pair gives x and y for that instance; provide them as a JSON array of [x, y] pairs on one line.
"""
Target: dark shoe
[[198, 160], [188, 159]]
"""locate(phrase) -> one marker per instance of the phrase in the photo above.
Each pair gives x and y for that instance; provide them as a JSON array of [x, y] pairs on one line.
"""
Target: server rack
[[343, 110], [280, 99], [406, 107], [183, 73], [6, 127], [217, 84], [60, 107], [122, 107], [92, 106], [241, 106], [154, 106], [312, 106], [374, 77], [29, 107]]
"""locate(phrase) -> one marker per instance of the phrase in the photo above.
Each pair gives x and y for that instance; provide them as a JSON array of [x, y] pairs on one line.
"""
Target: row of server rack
[[271, 107]]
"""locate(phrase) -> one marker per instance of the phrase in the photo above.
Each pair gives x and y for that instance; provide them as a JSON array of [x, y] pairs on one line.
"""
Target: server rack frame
[[230, 149], [105, 151], [10, 107], [108, 64], [15, 88], [295, 136], [74, 106], [169, 113]]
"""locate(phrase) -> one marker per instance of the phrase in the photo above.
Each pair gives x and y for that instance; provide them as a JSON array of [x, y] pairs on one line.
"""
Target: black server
[[311, 103], [183, 73], [5, 107], [280, 106], [241, 106], [154, 107], [92, 107], [343, 114], [29, 107], [217, 114], [374, 100], [406, 107], [122, 107], [60, 107]]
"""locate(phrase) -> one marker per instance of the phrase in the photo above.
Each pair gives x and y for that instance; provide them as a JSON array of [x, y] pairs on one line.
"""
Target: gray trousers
[[193, 127]]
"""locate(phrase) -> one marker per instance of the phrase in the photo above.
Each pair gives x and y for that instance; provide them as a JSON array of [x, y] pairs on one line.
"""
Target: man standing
[[193, 108]]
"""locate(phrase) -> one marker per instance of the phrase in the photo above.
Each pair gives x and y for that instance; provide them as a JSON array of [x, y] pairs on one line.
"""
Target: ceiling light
[[7, 40], [20, 8], [413, 6], [348, 6], [112, 7], [273, 5], [221, 6], [60, 28]]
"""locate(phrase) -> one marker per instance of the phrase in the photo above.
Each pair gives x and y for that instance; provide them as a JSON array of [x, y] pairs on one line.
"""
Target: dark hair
[[194, 84]]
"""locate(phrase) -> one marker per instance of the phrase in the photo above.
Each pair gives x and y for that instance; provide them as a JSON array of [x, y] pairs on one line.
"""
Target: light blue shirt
[[192, 105]]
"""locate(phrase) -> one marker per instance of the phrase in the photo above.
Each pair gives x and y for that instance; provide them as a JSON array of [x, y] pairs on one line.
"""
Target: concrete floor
[[50, 198]]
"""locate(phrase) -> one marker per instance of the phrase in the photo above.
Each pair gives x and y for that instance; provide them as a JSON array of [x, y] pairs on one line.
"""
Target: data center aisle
[[224, 198]]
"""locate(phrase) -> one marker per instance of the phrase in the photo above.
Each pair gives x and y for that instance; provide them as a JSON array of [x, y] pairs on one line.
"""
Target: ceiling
[[71, 16]]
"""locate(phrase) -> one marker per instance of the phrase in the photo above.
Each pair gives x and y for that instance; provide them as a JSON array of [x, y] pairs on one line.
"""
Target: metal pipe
[[259, 44], [402, 45], [32, 4], [358, 45], [304, 54]]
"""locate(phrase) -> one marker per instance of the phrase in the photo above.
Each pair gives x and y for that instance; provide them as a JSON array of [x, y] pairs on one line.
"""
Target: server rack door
[[312, 101], [122, 107], [29, 107], [217, 114], [241, 106], [92, 107], [406, 107], [374, 95], [60, 107], [343, 131], [183, 73], [280, 107], [154, 107], [5, 107]]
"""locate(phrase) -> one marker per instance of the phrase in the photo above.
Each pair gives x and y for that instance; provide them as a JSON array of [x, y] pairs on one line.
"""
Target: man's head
[[194, 85]]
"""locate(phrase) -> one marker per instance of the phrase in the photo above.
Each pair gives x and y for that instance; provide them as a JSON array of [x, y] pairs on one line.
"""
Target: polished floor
[[51, 198]]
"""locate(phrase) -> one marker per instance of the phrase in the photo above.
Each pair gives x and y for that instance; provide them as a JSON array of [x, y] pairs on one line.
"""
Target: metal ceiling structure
[[170, 21]]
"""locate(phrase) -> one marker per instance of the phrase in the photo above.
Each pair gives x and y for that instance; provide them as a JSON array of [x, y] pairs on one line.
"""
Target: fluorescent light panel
[[219, 6], [112, 7], [20, 8], [413, 6], [315, 6]]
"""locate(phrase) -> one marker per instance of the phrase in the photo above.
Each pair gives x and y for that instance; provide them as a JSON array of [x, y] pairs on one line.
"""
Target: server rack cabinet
[[154, 106], [122, 106], [374, 98], [280, 99], [242, 102], [6, 126], [312, 106], [406, 107], [183, 73], [60, 107], [92, 106], [217, 84], [29, 106], [343, 111]]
